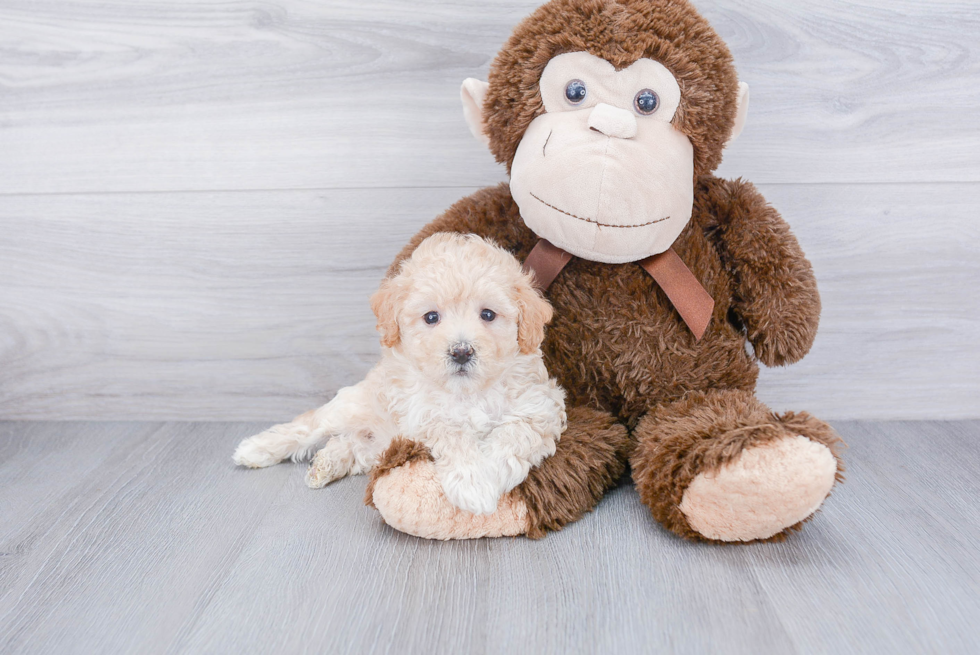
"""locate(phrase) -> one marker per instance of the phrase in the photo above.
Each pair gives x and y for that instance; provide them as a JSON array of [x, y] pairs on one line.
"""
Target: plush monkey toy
[[610, 117]]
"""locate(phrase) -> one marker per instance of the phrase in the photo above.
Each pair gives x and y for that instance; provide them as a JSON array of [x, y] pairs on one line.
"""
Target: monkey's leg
[[719, 465], [590, 458]]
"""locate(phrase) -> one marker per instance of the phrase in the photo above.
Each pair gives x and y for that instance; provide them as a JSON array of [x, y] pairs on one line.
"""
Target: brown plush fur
[[702, 432], [616, 344], [563, 487]]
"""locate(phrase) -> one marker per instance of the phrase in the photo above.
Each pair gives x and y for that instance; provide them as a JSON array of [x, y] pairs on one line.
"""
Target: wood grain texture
[[253, 306], [230, 305], [197, 199], [129, 537], [149, 96]]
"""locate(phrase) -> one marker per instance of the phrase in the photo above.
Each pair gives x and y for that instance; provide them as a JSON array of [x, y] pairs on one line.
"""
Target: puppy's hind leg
[[332, 462], [349, 411], [296, 440]]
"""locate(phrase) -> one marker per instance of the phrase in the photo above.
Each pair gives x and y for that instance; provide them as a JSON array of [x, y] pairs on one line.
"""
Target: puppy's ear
[[535, 313], [384, 304]]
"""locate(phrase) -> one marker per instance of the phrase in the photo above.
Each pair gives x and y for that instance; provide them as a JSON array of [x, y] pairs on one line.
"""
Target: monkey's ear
[[741, 113], [472, 94]]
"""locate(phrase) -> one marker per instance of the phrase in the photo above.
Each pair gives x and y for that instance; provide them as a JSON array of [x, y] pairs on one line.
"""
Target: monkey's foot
[[405, 490], [720, 466], [766, 490]]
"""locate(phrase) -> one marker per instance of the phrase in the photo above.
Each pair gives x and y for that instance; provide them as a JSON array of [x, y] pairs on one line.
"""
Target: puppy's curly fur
[[461, 374]]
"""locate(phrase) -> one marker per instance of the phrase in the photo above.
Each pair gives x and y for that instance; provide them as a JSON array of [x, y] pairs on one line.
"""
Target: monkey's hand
[[775, 289]]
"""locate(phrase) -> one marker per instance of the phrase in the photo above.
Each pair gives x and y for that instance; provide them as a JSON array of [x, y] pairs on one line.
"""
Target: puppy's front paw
[[329, 464], [253, 454], [474, 501], [471, 492]]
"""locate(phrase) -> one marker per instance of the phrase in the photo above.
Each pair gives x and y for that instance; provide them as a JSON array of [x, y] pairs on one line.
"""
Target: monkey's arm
[[775, 289], [490, 213]]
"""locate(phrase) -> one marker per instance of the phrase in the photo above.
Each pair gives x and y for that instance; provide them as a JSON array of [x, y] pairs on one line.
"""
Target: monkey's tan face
[[603, 174]]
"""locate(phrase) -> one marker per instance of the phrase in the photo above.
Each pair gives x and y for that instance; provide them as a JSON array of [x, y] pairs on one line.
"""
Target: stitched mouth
[[595, 222]]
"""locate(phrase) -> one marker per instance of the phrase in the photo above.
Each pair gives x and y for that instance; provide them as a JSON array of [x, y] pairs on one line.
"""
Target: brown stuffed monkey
[[610, 117]]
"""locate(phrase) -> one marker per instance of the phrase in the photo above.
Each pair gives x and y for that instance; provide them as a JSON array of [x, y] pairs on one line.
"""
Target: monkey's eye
[[646, 102], [431, 318], [488, 315], [575, 91]]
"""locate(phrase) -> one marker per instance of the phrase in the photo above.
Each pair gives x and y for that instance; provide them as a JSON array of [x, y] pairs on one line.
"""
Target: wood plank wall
[[196, 199]]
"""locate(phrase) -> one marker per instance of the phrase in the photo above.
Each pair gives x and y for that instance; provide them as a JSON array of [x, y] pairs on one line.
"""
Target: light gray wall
[[196, 199]]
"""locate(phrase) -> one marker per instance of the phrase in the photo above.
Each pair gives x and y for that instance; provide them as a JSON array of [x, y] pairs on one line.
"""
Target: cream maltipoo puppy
[[461, 372]]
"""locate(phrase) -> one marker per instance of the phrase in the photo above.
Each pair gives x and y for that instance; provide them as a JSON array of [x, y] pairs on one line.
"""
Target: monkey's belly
[[630, 354]]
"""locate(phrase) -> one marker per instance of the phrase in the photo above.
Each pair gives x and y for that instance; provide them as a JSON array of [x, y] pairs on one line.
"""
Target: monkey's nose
[[461, 353], [612, 121]]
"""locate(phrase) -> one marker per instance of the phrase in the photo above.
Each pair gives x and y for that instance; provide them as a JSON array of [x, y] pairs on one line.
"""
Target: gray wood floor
[[144, 538]]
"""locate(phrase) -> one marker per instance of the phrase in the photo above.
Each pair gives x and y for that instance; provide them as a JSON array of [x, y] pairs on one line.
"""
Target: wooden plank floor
[[144, 538]]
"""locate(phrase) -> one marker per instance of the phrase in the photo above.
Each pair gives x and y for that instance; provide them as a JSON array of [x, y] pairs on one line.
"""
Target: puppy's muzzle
[[461, 353]]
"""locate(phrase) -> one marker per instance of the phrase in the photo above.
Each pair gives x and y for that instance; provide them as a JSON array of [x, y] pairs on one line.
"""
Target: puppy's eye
[[575, 91], [488, 315], [431, 318]]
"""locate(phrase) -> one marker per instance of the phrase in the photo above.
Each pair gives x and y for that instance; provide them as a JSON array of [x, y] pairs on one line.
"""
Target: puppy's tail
[[296, 441]]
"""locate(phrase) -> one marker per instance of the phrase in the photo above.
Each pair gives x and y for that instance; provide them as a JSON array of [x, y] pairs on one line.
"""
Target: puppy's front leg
[[470, 487], [469, 478], [516, 446]]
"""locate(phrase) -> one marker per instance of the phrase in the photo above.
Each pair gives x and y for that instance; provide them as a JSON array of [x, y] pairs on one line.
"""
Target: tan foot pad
[[766, 490], [410, 500]]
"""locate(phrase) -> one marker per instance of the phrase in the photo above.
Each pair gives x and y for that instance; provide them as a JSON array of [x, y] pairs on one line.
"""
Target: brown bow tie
[[689, 298]]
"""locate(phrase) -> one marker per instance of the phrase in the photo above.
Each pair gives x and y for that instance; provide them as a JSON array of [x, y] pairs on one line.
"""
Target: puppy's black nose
[[461, 353]]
